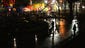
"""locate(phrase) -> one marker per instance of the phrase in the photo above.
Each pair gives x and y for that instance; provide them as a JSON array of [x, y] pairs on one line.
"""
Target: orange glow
[[11, 5], [14, 9], [60, 1], [38, 6], [34, 7], [62, 27], [30, 7], [11, 2], [26, 9]]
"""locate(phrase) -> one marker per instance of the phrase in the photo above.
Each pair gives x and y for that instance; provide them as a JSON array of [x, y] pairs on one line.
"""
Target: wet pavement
[[53, 40]]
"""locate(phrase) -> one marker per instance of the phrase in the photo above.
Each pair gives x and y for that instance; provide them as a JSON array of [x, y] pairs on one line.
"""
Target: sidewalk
[[58, 40]]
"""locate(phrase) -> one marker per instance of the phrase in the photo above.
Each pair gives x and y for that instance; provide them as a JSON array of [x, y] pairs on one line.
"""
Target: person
[[74, 30], [74, 26]]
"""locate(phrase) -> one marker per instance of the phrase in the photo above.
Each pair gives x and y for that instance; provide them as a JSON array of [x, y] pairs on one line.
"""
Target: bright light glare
[[9, 9], [74, 22], [53, 1], [56, 37], [36, 37], [14, 42], [45, 1], [83, 6], [26, 9], [78, 3], [11, 5]]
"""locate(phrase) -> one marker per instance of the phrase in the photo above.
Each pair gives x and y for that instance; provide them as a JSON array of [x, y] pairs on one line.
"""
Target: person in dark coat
[[74, 29]]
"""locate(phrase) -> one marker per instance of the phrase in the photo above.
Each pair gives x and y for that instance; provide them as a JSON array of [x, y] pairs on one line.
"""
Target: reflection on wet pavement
[[59, 35]]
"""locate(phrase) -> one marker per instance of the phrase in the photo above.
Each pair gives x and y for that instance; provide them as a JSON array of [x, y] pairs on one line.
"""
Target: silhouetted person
[[74, 30], [51, 29], [75, 27]]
